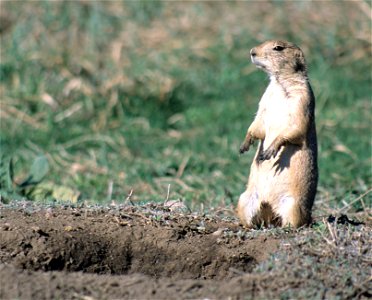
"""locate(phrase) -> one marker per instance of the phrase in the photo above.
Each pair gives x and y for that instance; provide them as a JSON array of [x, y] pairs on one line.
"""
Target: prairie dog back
[[284, 174]]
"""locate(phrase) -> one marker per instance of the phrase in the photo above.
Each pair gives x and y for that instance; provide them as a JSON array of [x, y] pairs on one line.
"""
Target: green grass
[[143, 95]]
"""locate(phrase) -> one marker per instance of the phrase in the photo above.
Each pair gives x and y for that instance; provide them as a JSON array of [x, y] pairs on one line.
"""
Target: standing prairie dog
[[284, 174]]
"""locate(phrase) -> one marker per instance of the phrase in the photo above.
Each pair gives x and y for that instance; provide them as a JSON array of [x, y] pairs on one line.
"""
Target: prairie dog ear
[[300, 64], [299, 54]]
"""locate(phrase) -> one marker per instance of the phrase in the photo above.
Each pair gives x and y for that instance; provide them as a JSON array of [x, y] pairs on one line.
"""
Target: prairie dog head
[[279, 58]]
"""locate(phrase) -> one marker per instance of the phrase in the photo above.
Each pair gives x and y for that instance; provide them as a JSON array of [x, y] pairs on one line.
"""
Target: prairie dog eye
[[278, 48]]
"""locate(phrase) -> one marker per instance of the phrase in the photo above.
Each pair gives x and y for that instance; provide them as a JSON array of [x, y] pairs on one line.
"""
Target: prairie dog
[[284, 174]]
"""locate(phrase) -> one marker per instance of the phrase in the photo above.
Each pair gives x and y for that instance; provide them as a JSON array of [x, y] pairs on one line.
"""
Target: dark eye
[[278, 48]]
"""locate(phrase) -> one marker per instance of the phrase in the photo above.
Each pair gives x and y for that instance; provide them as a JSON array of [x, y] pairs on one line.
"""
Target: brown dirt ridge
[[142, 252]]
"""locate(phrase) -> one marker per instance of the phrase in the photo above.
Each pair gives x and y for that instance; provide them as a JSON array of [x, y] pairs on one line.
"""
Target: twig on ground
[[355, 200], [168, 191], [129, 198]]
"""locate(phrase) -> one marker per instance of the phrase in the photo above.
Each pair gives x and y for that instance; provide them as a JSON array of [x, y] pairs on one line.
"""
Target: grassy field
[[153, 98]]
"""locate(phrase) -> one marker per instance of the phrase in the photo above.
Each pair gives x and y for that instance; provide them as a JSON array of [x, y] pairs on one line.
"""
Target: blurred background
[[153, 99]]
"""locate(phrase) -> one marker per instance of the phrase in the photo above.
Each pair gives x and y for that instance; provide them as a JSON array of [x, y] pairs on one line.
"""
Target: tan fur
[[284, 174]]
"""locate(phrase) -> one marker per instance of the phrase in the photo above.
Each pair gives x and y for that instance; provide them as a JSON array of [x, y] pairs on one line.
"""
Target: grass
[[145, 96]]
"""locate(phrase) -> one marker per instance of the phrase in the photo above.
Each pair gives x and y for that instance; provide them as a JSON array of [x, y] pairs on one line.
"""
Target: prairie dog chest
[[276, 106]]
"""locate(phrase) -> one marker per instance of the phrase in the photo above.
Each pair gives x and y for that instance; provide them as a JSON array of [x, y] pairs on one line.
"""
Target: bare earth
[[145, 253]]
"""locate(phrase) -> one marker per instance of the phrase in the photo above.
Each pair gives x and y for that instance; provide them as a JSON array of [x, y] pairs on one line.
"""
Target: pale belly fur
[[273, 182], [272, 179]]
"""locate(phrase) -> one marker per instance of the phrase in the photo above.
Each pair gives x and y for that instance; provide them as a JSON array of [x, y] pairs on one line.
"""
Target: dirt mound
[[148, 246], [157, 252]]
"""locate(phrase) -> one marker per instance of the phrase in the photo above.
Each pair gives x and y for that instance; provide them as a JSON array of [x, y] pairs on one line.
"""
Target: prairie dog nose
[[253, 52]]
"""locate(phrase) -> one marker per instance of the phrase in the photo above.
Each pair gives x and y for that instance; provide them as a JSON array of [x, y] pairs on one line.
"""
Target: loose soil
[[128, 252]]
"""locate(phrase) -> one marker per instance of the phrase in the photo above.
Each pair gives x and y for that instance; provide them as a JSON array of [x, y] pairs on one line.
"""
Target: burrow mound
[[128, 240]]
